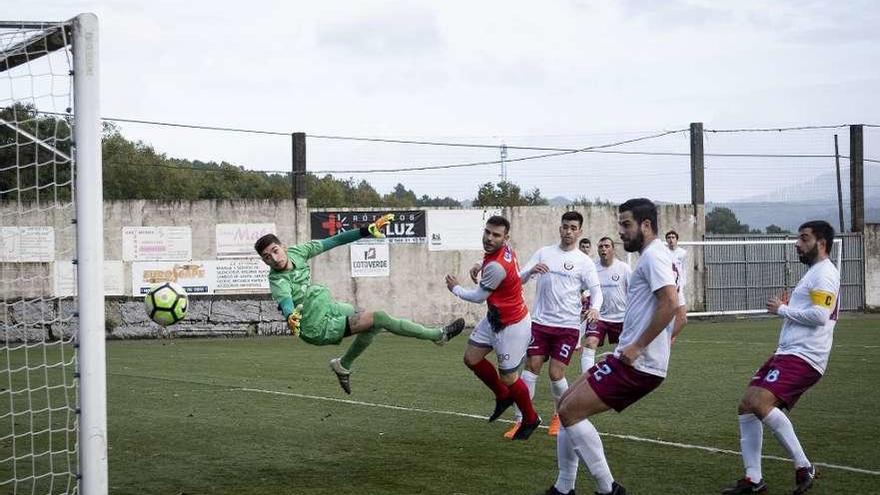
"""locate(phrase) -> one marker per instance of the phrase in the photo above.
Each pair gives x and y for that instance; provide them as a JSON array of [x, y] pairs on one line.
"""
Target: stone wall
[[872, 266], [415, 289]]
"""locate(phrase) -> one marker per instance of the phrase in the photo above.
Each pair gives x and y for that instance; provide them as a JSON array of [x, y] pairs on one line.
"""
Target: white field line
[[478, 416]]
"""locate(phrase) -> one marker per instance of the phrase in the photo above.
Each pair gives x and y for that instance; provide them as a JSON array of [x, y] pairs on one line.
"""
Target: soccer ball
[[166, 303]]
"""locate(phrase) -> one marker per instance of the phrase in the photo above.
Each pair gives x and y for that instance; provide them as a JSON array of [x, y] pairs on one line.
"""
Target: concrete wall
[[872, 266], [416, 288]]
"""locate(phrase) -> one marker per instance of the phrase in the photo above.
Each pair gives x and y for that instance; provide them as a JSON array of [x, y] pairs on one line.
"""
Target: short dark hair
[[499, 220], [585, 240], [673, 233], [265, 241], [573, 215], [606, 238], [642, 209], [822, 230]]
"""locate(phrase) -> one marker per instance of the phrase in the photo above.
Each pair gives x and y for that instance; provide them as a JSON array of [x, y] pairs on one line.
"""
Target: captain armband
[[823, 299]]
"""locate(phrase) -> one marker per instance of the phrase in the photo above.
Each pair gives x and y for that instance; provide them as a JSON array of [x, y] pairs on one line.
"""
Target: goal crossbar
[[54, 37]]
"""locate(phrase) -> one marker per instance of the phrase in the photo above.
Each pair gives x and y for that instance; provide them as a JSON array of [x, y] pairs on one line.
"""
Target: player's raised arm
[[823, 296], [374, 230]]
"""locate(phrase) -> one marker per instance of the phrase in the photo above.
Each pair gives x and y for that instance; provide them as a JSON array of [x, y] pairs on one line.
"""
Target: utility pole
[[503, 165]]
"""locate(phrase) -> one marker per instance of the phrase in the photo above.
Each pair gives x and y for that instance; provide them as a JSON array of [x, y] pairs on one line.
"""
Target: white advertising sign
[[237, 239], [370, 259], [27, 244], [457, 230], [242, 275], [196, 277], [65, 281], [156, 243]]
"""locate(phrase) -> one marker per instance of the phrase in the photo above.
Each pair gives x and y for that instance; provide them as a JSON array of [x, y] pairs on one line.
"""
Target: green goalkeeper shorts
[[324, 320]]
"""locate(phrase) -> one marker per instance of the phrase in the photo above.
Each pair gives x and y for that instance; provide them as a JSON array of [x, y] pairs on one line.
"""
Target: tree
[[507, 193], [775, 229], [135, 170], [34, 156], [723, 220], [584, 201], [438, 201], [400, 197]]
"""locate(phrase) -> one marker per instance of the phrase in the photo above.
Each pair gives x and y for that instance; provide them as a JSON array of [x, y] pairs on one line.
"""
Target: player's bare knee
[[557, 371], [469, 361], [755, 402], [534, 366], [567, 414]]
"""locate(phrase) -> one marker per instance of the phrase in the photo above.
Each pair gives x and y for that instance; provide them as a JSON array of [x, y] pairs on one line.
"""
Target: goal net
[[52, 361], [739, 276]]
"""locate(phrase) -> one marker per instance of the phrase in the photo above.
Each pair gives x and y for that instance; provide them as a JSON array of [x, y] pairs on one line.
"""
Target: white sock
[[588, 359], [587, 445], [567, 462], [751, 439], [530, 380], [783, 430], [558, 388]]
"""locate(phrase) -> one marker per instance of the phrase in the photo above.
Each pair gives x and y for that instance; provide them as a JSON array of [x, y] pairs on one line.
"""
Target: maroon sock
[[487, 373], [520, 393]]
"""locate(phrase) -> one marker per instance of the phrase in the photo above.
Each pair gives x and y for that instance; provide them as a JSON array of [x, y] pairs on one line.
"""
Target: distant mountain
[[560, 201], [789, 215], [793, 204]]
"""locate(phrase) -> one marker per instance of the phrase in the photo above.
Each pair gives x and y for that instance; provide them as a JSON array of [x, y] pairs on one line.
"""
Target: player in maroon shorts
[[640, 360], [800, 360], [563, 273], [614, 278]]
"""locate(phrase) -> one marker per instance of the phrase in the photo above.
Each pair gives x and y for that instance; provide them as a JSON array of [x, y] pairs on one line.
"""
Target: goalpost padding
[[52, 360]]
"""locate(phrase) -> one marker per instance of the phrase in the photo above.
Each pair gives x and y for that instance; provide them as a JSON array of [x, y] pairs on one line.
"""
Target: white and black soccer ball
[[166, 303]]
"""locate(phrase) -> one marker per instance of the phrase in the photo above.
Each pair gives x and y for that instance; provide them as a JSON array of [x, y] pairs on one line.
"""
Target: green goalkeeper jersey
[[293, 287]]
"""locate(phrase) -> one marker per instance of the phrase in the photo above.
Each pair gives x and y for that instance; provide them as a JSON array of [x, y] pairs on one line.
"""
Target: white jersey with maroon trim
[[614, 280], [652, 272], [558, 294], [810, 316]]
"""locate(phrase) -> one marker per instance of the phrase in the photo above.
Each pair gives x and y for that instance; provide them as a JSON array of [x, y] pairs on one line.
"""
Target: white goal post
[[756, 272], [53, 397]]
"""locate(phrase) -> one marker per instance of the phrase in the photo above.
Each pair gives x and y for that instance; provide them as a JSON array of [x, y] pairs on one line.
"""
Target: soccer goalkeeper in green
[[314, 316]]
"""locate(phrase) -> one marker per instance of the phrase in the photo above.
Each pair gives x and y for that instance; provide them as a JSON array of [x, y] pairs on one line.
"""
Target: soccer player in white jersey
[[801, 357], [639, 363], [585, 246], [614, 279], [679, 258], [563, 273]]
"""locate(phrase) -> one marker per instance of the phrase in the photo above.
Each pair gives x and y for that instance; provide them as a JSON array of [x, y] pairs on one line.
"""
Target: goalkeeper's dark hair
[[642, 209], [265, 241], [606, 238], [499, 220], [821, 230]]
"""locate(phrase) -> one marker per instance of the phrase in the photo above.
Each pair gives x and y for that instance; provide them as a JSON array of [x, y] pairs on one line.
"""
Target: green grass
[[180, 423]]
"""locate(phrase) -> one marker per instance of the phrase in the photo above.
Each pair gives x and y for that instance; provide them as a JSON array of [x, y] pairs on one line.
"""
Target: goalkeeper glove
[[375, 228], [293, 321]]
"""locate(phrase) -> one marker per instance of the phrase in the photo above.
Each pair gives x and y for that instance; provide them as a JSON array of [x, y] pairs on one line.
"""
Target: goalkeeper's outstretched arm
[[372, 230]]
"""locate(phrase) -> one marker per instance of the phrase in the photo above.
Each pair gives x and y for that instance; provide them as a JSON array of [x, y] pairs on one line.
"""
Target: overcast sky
[[554, 74]]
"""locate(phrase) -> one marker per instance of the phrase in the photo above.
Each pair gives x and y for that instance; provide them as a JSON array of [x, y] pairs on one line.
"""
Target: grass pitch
[[266, 416]]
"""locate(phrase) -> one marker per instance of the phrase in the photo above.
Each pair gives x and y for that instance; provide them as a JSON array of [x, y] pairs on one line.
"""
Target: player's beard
[[635, 244], [810, 256]]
